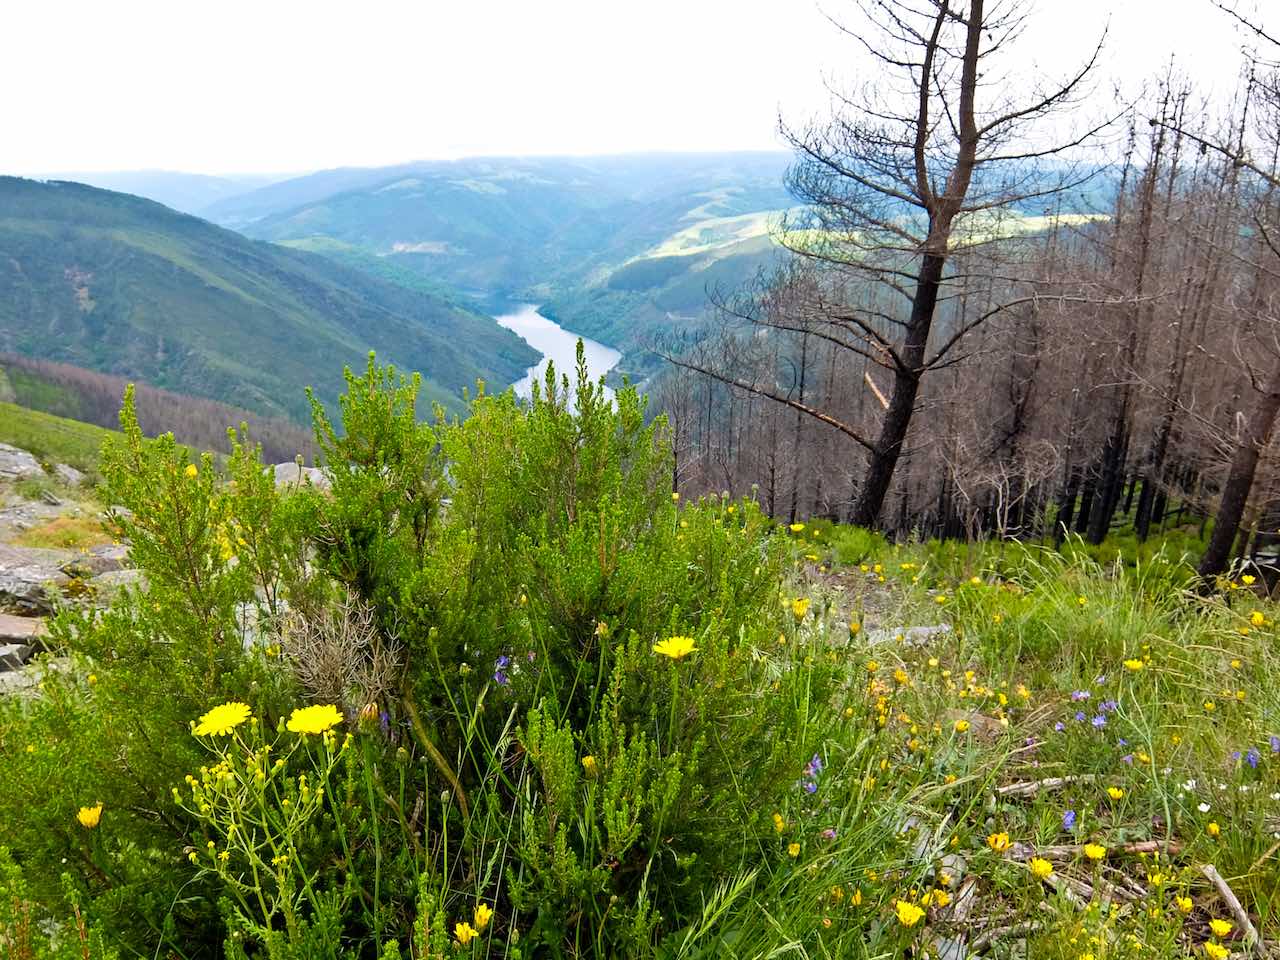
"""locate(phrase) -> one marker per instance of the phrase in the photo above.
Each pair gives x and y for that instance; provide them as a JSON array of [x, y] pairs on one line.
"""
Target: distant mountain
[[123, 285], [187, 192], [616, 246]]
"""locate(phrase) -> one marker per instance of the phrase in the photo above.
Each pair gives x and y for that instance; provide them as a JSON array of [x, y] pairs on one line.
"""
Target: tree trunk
[[1244, 464]]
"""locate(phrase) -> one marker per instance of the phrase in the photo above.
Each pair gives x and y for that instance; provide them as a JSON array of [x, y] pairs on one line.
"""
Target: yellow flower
[[856, 898], [854, 627], [799, 607], [1134, 665], [192, 471], [89, 816], [1184, 904], [1115, 793], [1213, 829], [999, 842], [1210, 706], [1220, 928], [675, 497], [961, 726], [1082, 600], [223, 719], [796, 527], [1247, 579], [1216, 951], [677, 648], [1041, 868], [589, 767], [793, 849], [315, 719], [1257, 619], [941, 898], [483, 914], [908, 913], [940, 598], [465, 932], [778, 823], [976, 581], [1095, 851]]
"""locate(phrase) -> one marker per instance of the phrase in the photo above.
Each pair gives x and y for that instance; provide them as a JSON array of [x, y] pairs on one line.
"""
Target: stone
[[293, 476], [30, 578], [107, 586], [14, 655], [68, 474], [17, 464], [20, 629], [103, 559]]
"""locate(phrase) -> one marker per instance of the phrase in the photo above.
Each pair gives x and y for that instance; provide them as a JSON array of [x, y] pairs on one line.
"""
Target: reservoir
[[557, 345]]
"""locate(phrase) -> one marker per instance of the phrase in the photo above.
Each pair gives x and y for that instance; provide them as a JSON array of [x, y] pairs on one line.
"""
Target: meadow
[[537, 705]]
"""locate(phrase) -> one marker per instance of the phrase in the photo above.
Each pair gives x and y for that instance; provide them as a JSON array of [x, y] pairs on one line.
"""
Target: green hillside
[[51, 439], [118, 284]]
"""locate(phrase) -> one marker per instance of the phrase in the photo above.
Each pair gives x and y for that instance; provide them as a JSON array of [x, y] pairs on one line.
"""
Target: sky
[[273, 86]]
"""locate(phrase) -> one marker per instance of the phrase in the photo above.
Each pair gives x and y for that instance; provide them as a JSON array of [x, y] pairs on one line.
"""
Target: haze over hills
[[123, 285], [185, 192]]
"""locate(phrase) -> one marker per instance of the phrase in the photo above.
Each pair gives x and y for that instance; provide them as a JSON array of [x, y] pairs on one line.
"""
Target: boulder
[[68, 475], [107, 586], [16, 464], [14, 655], [20, 629], [294, 475], [98, 560], [30, 578]]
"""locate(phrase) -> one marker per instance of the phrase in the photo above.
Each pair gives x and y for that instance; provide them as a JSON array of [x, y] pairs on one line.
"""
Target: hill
[[185, 192], [615, 244], [123, 285]]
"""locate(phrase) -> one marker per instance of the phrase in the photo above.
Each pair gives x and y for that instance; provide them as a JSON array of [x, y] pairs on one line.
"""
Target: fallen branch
[[1069, 851], [1251, 937], [988, 937], [1029, 788]]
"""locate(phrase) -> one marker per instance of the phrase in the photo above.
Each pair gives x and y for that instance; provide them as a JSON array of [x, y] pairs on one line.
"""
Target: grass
[[52, 439], [67, 532]]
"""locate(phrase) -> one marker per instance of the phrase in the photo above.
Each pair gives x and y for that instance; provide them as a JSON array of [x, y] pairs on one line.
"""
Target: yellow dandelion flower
[[778, 823], [1257, 619], [192, 471], [89, 817], [675, 497], [1184, 904], [1247, 579], [940, 598], [855, 898], [854, 627], [483, 915], [908, 913], [976, 581], [800, 607], [1115, 793], [796, 527], [1095, 851], [315, 719], [1041, 868], [961, 726], [1220, 928], [1213, 829], [677, 648], [221, 720], [941, 898], [999, 842], [590, 767], [1134, 665], [793, 849], [1216, 951], [1210, 706], [465, 933]]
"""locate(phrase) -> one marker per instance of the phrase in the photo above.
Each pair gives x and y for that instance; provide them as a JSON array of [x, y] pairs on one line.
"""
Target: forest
[[925, 363]]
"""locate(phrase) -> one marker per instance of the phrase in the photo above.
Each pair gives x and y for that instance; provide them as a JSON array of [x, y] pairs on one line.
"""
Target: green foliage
[[24, 933], [51, 439]]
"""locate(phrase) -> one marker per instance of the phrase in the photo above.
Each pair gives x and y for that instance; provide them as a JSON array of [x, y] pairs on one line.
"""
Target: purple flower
[[1108, 706], [1068, 820], [1059, 726], [1078, 695], [501, 678], [1100, 679], [384, 719], [1123, 742], [810, 787], [1252, 757], [829, 833], [1275, 744], [502, 662], [1127, 758], [1099, 722], [1080, 716], [1235, 755], [813, 768]]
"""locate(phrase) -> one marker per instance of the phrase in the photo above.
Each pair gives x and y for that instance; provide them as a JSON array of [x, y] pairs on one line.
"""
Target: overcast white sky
[[286, 85]]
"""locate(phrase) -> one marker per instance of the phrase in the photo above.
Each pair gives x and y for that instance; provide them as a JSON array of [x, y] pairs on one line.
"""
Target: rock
[[30, 578], [107, 586], [294, 475], [911, 636], [24, 515], [17, 464], [16, 681], [20, 629], [99, 560], [68, 474], [14, 655]]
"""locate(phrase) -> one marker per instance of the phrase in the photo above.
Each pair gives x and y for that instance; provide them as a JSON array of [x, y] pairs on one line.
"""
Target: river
[[557, 345]]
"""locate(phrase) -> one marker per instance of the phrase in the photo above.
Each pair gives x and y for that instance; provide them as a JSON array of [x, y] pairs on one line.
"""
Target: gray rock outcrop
[[16, 464]]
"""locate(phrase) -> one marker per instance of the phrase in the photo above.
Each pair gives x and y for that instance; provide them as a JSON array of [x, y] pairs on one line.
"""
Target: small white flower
[[1189, 785], [1275, 796], [1203, 808]]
